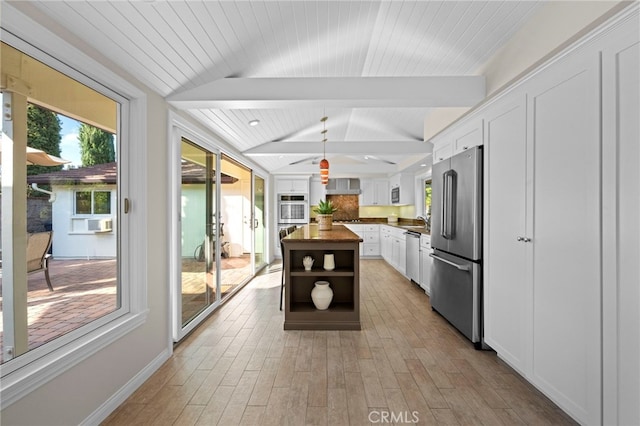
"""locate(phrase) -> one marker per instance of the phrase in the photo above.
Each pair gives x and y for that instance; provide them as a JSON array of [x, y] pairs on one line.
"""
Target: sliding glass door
[[218, 230], [235, 217], [259, 220], [197, 229]]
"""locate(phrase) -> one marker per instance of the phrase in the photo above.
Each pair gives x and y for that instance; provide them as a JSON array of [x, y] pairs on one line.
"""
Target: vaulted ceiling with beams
[[374, 68]]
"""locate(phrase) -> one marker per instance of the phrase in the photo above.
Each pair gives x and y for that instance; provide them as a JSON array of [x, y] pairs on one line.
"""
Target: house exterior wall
[[71, 242]]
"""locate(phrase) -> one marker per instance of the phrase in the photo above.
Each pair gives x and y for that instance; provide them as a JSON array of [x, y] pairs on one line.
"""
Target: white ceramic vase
[[321, 295], [329, 262]]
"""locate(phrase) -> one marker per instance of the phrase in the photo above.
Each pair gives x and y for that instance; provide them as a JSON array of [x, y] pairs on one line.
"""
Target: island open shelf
[[344, 311]]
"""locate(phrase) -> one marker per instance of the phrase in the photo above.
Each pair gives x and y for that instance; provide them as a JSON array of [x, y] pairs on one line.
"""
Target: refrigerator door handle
[[448, 204], [451, 229], [448, 262], [443, 206]]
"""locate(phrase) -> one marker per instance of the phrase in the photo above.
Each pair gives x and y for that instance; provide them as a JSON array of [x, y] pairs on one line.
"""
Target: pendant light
[[324, 164]]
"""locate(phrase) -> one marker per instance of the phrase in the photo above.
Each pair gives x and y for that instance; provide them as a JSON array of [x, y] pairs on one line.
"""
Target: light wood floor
[[406, 364]]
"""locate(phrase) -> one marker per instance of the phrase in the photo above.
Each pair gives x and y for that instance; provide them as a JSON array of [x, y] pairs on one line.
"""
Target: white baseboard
[[127, 390]]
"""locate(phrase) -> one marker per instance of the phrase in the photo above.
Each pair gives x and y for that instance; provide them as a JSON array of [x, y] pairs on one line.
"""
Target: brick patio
[[84, 291]]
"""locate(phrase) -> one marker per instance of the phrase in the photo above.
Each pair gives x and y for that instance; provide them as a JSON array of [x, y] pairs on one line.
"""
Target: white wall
[[551, 27]]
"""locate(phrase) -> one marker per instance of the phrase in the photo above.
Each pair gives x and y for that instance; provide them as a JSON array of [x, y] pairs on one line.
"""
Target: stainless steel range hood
[[343, 186]]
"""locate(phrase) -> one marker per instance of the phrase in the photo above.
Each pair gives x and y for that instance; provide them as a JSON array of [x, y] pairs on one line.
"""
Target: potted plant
[[325, 212]]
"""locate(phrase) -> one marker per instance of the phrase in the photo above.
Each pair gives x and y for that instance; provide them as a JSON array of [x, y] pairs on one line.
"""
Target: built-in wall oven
[[395, 195], [293, 209]]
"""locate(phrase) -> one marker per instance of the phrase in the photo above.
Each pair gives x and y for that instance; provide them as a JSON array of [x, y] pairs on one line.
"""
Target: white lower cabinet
[[385, 243], [359, 231], [399, 250], [371, 237], [553, 183], [393, 247], [425, 263], [370, 234]]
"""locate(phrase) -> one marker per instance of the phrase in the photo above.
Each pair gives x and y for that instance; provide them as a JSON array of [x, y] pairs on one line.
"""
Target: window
[[427, 201], [93, 202], [30, 353]]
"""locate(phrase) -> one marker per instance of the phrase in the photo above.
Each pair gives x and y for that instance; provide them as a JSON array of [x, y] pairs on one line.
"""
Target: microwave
[[395, 195], [293, 208]]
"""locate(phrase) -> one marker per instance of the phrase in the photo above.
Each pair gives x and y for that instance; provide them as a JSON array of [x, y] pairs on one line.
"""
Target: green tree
[[43, 132], [96, 146]]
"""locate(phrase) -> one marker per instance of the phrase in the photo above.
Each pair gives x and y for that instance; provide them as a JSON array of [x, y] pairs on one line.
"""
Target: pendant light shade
[[324, 164], [324, 171]]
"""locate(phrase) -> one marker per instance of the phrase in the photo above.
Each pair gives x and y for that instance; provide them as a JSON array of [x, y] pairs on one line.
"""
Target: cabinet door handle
[[465, 147], [523, 239]]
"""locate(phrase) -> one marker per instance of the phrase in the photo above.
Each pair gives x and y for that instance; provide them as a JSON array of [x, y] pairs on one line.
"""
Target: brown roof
[[106, 173]]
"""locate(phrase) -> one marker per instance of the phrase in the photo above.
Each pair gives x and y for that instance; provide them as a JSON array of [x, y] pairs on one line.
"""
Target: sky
[[70, 144]]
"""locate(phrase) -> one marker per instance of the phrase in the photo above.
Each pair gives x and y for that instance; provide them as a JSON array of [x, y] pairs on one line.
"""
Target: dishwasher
[[413, 256]]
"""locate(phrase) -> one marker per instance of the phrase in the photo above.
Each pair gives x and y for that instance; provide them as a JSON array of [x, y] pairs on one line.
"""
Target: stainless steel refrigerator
[[456, 237]]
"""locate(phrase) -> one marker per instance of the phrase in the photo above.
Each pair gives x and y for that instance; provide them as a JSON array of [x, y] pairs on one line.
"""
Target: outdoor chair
[[38, 245]]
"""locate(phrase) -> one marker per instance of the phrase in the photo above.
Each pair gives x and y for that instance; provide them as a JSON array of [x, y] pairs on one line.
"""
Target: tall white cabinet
[[506, 270], [563, 118], [562, 219], [621, 225]]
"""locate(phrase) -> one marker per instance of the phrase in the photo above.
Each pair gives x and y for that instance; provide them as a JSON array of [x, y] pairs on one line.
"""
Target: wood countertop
[[311, 234]]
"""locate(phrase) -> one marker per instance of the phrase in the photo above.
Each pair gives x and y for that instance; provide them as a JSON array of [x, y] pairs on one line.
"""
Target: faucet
[[426, 221]]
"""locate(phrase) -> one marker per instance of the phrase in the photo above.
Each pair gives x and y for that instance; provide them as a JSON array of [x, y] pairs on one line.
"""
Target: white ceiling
[[181, 49]]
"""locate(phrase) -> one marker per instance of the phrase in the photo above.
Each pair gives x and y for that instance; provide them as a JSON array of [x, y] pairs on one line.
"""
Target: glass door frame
[[257, 268], [179, 132]]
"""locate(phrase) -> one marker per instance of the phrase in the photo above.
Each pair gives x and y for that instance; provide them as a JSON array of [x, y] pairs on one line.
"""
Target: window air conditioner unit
[[100, 225], [106, 225]]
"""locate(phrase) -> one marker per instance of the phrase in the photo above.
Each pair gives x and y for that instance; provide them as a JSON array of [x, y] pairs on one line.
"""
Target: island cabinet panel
[[344, 311]]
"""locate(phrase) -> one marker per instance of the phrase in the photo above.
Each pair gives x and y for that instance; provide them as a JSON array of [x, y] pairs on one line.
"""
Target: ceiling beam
[[347, 92], [340, 170], [340, 147]]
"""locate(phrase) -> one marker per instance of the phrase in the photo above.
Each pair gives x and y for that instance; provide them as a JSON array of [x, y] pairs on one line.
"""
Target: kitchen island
[[344, 311]]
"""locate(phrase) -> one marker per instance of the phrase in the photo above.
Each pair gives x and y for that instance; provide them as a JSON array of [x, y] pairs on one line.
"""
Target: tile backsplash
[[350, 209], [348, 206]]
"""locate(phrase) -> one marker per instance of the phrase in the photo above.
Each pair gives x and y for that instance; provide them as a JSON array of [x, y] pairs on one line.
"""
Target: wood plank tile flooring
[[407, 365]]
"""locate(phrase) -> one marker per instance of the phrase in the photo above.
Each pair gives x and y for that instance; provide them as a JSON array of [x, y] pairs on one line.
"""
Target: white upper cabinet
[[404, 184], [375, 192], [292, 185], [442, 149], [317, 191], [467, 136], [462, 136]]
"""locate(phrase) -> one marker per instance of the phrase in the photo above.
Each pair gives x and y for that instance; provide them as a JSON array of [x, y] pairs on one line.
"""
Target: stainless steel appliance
[[343, 186], [293, 209], [413, 256], [456, 237], [395, 195]]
